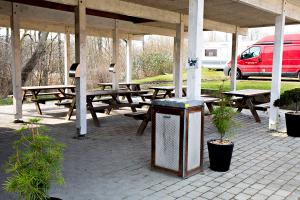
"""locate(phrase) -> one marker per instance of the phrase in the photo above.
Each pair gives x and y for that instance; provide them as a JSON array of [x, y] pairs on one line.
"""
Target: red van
[[257, 59]]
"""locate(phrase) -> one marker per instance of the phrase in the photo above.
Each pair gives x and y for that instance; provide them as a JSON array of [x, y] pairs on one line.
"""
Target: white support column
[[16, 63], [129, 60], [115, 57], [80, 56], [174, 59], [178, 56], [67, 56], [234, 48], [196, 8], [277, 68]]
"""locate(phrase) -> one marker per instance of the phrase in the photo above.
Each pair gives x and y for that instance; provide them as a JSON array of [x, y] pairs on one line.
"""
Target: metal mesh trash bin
[[177, 136]]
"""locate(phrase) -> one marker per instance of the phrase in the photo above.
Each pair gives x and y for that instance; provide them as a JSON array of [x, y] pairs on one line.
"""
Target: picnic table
[[50, 93], [247, 100], [146, 116], [167, 91], [129, 85], [113, 103]]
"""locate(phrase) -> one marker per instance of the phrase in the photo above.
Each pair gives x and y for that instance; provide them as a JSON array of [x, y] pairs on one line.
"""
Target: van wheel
[[238, 74]]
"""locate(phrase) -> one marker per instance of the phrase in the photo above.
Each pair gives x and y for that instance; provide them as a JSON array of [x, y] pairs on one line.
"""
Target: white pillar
[[178, 55], [276, 70], [174, 59], [196, 8], [67, 55], [234, 48], [80, 56], [16, 63], [116, 42], [129, 61]]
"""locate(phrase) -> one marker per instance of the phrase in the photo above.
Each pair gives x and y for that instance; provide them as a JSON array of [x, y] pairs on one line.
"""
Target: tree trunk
[[39, 52]]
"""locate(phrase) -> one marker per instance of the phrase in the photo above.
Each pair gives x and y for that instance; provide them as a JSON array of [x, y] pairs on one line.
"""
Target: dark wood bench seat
[[43, 100], [64, 103], [102, 99], [263, 106], [100, 107], [43, 94], [149, 96], [137, 115]]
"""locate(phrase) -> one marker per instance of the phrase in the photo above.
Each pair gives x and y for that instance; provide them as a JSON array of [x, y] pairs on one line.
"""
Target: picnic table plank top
[[111, 92], [48, 87], [124, 83], [171, 87], [247, 92]]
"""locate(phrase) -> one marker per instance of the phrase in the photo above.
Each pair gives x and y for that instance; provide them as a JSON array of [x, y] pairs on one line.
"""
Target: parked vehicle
[[257, 59]]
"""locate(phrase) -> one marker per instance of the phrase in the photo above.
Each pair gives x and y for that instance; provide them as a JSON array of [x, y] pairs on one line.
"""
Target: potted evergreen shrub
[[35, 164], [291, 98], [220, 149]]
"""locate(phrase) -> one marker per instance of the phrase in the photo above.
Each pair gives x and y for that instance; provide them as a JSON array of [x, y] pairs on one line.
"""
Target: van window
[[211, 52], [252, 52]]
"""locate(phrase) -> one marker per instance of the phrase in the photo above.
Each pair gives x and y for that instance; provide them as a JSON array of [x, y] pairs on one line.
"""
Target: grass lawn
[[6, 101], [212, 79], [208, 75]]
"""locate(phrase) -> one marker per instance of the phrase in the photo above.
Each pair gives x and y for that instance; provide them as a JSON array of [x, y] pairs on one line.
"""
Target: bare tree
[[37, 54]]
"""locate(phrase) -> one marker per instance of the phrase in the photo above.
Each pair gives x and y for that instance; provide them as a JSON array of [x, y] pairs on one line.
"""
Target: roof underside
[[60, 14], [226, 11]]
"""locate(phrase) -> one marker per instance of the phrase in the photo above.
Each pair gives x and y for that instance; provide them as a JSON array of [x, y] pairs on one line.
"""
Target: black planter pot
[[54, 198], [219, 156], [292, 124]]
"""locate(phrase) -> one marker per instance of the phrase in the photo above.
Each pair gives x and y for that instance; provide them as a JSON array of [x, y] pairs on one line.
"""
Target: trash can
[[177, 136]]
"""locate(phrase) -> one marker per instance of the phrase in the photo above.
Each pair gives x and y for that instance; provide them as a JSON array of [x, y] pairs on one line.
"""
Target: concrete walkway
[[113, 163]]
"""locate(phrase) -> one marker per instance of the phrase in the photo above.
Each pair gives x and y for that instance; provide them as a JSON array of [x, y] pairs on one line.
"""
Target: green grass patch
[[249, 84], [207, 74], [212, 79], [6, 101]]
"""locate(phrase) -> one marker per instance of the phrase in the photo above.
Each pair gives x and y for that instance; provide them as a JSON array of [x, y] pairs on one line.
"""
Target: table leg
[[240, 105], [210, 107], [144, 123], [154, 94], [184, 92], [169, 93], [166, 94], [92, 111], [252, 109], [129, 99], [24, 96], [71, 109], [37, 105]]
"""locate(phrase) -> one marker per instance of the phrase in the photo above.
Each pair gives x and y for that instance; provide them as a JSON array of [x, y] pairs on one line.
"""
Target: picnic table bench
[[248, 100], [165, 91], [146, 115], [114, 103], [50, 93]]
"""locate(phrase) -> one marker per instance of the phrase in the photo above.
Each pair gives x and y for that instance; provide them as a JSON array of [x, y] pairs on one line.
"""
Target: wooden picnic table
[[248, 100], [167, 91], [147, 116], [129, 85], [35, 92], [114, 103]]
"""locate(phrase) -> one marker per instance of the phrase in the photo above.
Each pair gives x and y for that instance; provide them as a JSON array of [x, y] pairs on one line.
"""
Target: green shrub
[[288, 98], [35, 163], [152, 64], [223, 115]]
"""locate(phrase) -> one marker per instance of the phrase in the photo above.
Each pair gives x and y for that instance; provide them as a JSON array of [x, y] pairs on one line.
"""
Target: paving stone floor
[[114, 163]]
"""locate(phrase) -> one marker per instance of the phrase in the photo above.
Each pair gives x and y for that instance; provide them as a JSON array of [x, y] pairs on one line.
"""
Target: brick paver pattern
[[113, 163]]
